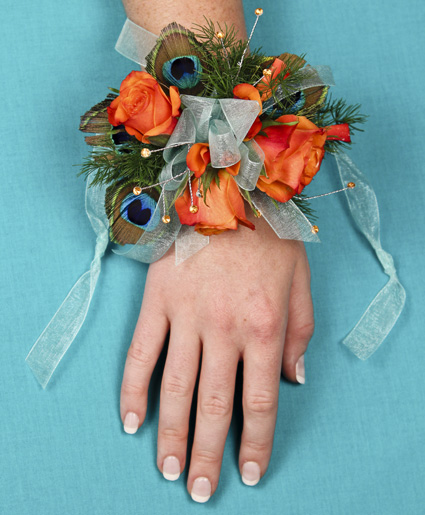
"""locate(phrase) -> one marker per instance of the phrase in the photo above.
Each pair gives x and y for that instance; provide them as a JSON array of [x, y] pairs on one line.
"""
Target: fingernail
[[300, 370], [171, 468], [251, 473], [131, 423], [201, 489]]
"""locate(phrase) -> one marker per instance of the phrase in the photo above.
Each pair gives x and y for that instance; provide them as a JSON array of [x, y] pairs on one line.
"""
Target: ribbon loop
[[224, 149], [252, 159]]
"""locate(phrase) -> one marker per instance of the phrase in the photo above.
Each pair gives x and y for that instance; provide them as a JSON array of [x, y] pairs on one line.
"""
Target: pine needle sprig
[[125, 163], [221, 58], [304, 206], [334, 112]]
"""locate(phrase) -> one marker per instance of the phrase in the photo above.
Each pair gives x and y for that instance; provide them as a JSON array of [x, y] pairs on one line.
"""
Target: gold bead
[[145, 152], [193, 209], [137, 190], [267, 72], [219, 35], [166, 219], [259, 11], [257, 213], [314, 229], [351, 185]]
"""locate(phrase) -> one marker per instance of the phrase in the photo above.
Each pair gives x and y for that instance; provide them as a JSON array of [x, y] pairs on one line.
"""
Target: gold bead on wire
[[219, 35], [145, 152], [267, 72], [166, 219], [193, 209], [259, 11], [137, 190], [314, 229], [351, 185]]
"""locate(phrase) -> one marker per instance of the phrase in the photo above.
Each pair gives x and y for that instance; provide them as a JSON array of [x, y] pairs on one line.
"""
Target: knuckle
[[206, 456], [176, 387], [260, 403], [259, 447], [131, 389], [266, 324], [305, 331], [216, 406], [174, 434], [138, 355]]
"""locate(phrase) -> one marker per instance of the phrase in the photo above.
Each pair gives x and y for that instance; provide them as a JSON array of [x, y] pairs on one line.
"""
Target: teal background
[[352, 440]]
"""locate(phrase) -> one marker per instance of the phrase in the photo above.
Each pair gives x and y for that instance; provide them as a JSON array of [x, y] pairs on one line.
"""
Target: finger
[[261, 376], [178, 383], [146, 345], [300, 323], [214, 413]]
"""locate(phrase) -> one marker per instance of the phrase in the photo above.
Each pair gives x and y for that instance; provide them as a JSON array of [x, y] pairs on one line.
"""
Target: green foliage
[[113, 163], [335, 112], [221, 60], [304, 206]]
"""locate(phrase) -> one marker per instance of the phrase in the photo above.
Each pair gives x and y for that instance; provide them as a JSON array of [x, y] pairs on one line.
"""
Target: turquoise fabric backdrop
[[352, 440]]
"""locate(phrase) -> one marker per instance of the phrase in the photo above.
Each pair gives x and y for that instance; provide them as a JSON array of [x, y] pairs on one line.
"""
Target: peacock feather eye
[[130, 215], [183, 72], [176, 60], [307, 100], [139, 210]]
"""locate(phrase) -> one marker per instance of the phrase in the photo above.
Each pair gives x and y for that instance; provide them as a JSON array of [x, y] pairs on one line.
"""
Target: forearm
[[154, 16]]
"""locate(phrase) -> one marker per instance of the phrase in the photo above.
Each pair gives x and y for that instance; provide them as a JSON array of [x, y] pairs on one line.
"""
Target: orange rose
[[248, 92], [224, 211], [290, 168], [143, 107], [198, 158]]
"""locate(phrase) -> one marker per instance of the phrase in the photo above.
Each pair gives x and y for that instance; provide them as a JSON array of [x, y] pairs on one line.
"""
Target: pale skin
[[246, 296]]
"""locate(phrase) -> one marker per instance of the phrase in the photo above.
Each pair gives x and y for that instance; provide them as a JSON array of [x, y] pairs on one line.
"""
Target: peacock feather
[[130, 215], [95, 121], [176, 60], [303, 102]]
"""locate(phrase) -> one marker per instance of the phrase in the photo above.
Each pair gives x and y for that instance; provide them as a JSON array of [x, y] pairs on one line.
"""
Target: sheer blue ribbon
[[56, 338], [383, 312]]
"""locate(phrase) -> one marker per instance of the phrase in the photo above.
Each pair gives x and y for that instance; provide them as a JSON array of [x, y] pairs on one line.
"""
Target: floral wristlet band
[[206, 132]]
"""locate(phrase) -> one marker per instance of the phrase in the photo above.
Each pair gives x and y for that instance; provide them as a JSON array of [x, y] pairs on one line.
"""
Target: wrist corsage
[[209, 132]]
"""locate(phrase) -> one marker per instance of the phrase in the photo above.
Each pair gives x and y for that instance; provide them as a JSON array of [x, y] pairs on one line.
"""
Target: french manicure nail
[[251, 473], [300, 370], [131, 423], [171, 468], [201, 489]]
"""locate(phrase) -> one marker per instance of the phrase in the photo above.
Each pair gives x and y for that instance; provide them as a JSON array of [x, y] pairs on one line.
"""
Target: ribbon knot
[[223, 124], [386, 261]]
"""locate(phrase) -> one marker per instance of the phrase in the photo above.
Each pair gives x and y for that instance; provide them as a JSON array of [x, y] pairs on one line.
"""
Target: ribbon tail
[[61, 331], [383, 312], [135, 42], [377, 321]]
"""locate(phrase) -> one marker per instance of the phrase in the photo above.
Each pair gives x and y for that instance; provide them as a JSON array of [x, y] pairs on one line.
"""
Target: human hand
[[241, 298]]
